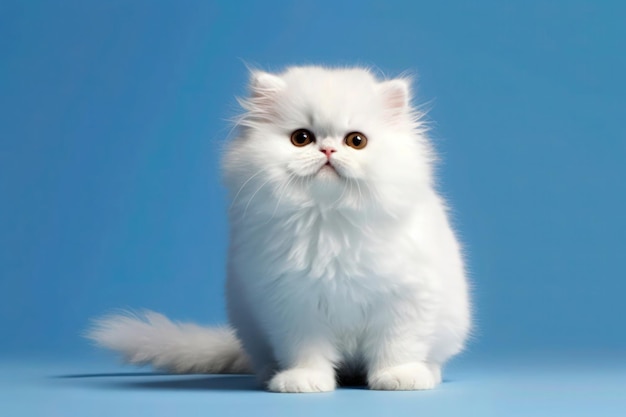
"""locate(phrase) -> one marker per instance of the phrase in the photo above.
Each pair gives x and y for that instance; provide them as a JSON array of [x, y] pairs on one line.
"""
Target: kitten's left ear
[[396, 94]]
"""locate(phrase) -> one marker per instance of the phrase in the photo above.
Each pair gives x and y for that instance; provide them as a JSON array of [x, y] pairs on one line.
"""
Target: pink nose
[[328, 151]]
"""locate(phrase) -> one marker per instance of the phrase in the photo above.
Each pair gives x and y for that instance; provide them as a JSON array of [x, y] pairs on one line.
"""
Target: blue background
[[112, 115]]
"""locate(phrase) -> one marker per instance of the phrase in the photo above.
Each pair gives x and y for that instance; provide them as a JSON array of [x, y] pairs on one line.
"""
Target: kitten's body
[[340, 260]]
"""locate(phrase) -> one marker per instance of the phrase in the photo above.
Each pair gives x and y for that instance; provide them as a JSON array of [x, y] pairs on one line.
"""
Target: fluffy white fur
[[342, 271]]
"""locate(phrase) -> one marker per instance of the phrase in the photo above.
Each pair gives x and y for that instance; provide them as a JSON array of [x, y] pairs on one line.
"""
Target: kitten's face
[[327, 138]]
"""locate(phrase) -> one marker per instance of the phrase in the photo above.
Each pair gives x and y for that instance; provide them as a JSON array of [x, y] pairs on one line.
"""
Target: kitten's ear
[[263, 84], [396, 94], [261, 104]]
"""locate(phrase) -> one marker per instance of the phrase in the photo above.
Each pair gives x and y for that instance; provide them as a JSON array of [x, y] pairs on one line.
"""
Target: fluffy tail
[[150, 338]]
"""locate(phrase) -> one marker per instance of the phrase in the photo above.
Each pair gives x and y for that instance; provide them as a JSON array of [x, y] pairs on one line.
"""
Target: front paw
[[302, 380], [407, 377]]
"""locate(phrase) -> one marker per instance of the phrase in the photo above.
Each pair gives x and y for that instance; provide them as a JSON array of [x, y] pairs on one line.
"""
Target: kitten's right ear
[[264, 84], [260, 106]]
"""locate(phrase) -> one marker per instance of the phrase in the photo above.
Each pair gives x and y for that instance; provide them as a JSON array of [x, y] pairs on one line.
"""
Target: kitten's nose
[[328, 151]]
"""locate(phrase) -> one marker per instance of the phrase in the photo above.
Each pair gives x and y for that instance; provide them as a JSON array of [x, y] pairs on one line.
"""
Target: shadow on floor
[[190, 382], [165, 381], [119, 374]]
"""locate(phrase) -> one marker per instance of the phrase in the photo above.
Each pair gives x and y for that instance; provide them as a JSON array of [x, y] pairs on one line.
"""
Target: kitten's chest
[[326, 255], [324, 247], [320, 268], [338, 272]]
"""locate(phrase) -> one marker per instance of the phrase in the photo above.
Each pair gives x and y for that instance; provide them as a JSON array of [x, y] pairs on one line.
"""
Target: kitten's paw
[[302, 380], [407, 377]]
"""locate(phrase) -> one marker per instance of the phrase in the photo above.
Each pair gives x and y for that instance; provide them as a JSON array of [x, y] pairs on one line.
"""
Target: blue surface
[[111, 118], [550, 387]]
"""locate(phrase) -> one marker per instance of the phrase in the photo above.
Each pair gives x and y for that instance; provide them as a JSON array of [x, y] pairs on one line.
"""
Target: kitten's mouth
[[327, 168]]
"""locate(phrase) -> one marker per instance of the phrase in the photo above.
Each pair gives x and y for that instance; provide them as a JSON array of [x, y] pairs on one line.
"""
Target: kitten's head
[[335, 139]]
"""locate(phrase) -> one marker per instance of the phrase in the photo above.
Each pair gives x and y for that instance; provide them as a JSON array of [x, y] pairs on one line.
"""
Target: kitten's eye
[[302, 137], [356, 140]]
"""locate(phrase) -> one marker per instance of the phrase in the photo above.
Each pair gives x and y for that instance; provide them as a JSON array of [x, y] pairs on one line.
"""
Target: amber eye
[[302, 137], [356, 140]]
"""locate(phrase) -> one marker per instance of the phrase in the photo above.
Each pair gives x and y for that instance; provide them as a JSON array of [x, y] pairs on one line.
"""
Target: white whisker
[[343, 191], [251, 198], [361, 199], [372, 192], [243, 185], [280, 196]]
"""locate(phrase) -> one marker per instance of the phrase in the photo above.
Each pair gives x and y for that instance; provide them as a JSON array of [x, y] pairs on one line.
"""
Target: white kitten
[[342, 261]]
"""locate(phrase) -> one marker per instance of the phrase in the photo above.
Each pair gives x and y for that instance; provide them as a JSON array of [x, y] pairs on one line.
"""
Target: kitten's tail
[[150, 338]]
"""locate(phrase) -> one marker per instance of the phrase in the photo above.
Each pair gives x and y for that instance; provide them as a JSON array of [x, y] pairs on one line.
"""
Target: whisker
[[243, 185], [280, 196], [372, 192], [251, 198], [343, 191], [350, 181], [361, 199], [266, 168]]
